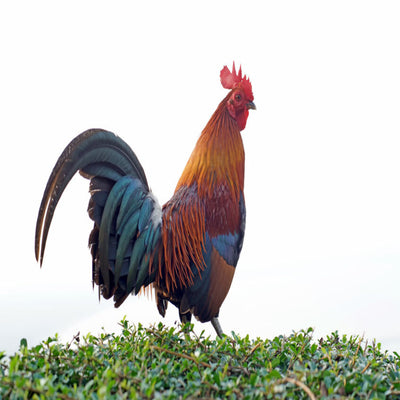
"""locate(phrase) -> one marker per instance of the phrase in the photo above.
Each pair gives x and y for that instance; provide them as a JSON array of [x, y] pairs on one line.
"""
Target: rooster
[[188, 249]]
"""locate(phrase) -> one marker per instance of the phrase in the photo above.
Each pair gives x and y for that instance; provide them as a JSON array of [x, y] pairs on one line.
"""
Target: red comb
[[231, 80]]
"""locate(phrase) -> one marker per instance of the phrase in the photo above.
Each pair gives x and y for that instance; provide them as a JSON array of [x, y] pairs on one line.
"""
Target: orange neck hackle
[[218, 157]]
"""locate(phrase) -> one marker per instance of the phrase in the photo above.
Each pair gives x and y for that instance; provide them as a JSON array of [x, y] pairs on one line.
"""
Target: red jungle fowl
[[188, 249]]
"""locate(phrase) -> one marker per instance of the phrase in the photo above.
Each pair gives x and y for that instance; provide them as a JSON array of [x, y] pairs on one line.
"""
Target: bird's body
[[189, 248]]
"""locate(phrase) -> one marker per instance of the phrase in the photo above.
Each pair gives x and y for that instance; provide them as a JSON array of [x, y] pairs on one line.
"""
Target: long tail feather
[[95, 152]]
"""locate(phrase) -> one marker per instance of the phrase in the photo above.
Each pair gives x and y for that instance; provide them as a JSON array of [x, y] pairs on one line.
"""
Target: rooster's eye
[[238, 97]]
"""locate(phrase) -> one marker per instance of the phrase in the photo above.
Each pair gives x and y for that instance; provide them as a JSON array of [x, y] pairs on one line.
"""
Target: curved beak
[[251, 106]]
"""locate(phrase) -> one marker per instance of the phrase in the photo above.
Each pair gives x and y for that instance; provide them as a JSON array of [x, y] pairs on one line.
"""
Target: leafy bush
[[170, 363]]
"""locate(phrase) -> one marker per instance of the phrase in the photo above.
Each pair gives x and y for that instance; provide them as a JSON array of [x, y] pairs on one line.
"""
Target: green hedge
[[161, 362]]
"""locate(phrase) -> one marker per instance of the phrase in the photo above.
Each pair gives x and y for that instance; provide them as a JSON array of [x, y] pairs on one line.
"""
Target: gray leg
[[217, 326]]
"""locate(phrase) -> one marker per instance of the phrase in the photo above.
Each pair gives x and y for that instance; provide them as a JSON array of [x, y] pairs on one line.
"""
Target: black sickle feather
[[95, 152]]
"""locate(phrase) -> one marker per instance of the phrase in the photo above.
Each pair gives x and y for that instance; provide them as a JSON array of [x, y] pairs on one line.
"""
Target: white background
[[322, 245]]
